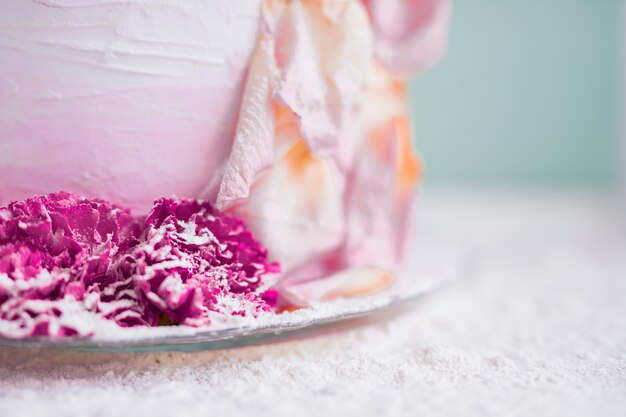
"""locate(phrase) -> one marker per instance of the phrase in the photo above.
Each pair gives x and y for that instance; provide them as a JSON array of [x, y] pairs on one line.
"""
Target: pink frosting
[[125, 100], [67, 262]]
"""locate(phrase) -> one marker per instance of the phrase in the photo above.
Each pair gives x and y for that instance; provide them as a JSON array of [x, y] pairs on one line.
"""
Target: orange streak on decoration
[[408, 165], [306, 171], [362, 288], [380, 141]]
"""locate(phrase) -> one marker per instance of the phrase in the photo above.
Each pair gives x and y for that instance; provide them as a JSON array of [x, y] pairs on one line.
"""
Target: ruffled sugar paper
[[410, 34], [322, 167]]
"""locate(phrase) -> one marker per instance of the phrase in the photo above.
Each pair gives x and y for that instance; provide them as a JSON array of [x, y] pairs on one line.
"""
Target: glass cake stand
[[423, 277], [251, 331]]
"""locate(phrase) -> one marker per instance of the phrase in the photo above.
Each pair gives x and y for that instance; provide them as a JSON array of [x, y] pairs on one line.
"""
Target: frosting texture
[[134, 99]]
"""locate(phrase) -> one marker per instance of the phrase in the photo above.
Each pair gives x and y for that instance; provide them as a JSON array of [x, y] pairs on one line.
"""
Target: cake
[[272, 132]]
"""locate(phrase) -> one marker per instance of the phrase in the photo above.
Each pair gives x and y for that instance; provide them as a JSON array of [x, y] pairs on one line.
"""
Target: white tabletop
[[534, 326]]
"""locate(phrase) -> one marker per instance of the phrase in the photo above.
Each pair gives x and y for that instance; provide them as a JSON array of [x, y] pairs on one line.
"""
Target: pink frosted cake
[[181, 161]]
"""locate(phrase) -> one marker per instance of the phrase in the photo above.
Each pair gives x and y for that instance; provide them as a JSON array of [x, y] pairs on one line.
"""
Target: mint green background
[[527, 95]]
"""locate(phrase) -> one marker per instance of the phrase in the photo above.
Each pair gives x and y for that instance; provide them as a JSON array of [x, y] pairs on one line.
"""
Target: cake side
[[124, 100]]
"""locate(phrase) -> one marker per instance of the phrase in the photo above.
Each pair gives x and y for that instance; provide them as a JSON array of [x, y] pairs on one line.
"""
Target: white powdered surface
[[535, 326]]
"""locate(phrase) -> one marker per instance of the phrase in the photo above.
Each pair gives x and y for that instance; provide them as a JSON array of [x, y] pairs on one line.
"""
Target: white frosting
[[127, 100]]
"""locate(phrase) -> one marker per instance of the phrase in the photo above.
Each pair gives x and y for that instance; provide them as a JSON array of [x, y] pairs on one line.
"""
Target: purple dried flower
[[66, 261]]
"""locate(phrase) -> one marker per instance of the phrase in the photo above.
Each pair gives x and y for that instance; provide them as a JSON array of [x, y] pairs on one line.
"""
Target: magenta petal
[[64, 255]]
